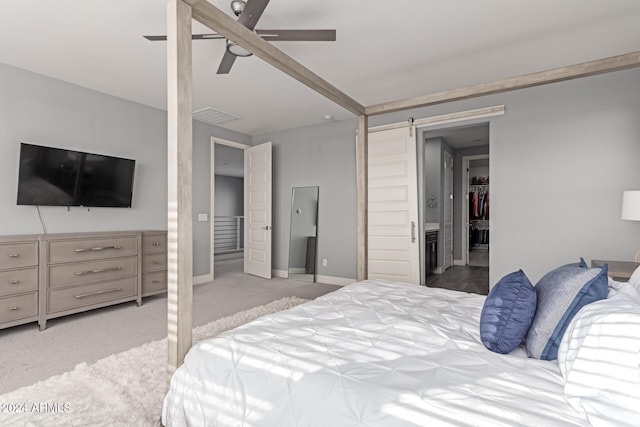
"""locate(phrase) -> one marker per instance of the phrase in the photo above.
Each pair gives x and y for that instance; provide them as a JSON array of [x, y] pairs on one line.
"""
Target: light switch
[[203, 217]]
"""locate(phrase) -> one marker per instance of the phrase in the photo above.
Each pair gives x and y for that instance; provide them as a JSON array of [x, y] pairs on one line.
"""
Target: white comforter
[[373, 353]]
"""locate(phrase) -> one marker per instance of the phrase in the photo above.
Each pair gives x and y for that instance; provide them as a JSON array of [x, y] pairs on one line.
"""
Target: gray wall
[[322, 155], [559, 158], [46, 111], [432, 178], [568, 150], [229, 196]]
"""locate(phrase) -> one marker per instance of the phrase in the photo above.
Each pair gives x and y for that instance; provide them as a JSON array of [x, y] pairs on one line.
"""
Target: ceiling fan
[[248, 13]]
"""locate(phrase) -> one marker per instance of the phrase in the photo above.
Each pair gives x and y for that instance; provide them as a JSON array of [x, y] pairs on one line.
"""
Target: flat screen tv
[[57, 177]]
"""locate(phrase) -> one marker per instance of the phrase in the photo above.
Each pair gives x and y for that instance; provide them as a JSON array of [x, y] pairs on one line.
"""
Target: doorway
[[228, 212], [445, 204], [254, 234]]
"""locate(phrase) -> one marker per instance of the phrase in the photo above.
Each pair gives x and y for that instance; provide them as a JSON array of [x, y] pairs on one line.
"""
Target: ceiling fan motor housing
[[238, 6]]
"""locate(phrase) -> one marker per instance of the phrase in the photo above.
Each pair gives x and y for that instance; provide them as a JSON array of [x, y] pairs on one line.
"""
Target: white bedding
[[374, 353]]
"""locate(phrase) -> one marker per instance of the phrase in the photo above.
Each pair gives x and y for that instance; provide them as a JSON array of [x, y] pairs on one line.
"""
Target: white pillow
[[634, 280], [599, 357]]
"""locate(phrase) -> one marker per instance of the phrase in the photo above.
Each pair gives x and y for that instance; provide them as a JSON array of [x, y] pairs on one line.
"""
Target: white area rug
[[124, 389]]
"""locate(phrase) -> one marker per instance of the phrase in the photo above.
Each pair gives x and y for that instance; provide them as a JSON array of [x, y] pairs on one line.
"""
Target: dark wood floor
[[462, 278]]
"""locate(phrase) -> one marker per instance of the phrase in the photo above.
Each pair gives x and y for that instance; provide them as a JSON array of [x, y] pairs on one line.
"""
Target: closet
[[479, 202]]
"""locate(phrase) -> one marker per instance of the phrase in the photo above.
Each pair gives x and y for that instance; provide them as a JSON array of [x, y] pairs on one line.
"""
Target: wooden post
[[180, 227], [362, 171]]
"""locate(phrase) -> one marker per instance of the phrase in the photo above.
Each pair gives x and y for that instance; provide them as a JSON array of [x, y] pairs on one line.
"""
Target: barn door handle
[[413, 231]]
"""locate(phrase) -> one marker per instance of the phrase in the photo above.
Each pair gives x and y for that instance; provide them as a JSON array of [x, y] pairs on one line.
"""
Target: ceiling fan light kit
[[248, 13], [237, 50]]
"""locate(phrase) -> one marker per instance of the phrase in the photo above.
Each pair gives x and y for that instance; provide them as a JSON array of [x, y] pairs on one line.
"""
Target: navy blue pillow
[[507, 313]]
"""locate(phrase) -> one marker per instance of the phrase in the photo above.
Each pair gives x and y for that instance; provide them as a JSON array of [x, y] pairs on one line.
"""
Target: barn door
[[394, 252]]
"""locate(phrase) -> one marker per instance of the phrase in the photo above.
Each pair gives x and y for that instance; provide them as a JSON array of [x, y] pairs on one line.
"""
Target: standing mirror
[[304, 232]]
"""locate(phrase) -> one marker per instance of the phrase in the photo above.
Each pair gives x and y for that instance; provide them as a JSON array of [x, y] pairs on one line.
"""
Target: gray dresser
[[47, 276], [154, 262], [18, 280]]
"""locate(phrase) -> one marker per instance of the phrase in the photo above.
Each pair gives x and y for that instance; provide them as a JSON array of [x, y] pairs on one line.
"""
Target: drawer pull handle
[[97, 248], [14, 255], [102, 270], [156, 262], [106, 291], [155, 281], [14, 308], [13, 282], [156, 243]]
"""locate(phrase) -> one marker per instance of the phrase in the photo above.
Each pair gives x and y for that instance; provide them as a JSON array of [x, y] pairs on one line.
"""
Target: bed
[[374, 353]]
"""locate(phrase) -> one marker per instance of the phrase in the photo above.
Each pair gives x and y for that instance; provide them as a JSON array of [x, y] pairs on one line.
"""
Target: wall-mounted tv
[[57, 177]]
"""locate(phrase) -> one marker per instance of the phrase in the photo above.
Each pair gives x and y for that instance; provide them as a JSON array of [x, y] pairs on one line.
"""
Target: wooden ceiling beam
[[209, 15], [601, 66]]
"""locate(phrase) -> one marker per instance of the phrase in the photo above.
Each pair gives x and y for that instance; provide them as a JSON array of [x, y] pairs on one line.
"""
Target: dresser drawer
[[18, 281], [87, 249], [20, 307], [152, 282], [154, 243], [18, 254], [91, 271], [155, 262], [88, 295]]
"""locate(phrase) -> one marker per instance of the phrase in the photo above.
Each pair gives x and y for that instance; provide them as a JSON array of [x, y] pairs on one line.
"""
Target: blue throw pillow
[[561, 294], [507, 313]]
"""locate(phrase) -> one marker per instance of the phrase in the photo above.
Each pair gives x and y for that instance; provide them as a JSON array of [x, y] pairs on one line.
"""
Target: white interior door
[[448, 210], [257, 210], [394, 252]]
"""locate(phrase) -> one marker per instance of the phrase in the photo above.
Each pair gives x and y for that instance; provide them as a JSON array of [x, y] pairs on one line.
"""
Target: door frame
[[212, 177], [465, 211], [447, 199]]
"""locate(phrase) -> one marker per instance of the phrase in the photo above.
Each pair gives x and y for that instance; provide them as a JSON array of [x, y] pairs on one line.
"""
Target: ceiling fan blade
[[212, 36], [252, 12], [298, 35], [227, 62], [155, 38]]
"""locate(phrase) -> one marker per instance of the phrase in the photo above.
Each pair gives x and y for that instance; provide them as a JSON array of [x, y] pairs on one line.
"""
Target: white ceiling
[[385, 50]]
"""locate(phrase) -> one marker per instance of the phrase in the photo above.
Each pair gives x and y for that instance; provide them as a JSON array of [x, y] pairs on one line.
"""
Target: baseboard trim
[[198, 280], [332, 280], [458, 262], [283, 274]]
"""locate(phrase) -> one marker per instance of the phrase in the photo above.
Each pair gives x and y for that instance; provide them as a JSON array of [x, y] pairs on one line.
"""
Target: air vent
[[213, 116]]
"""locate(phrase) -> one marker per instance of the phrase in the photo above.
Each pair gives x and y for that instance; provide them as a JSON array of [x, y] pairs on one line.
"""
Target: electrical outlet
[[324, 262]]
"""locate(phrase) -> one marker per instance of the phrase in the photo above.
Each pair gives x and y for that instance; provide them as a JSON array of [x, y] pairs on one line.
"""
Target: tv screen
[[58, 177]]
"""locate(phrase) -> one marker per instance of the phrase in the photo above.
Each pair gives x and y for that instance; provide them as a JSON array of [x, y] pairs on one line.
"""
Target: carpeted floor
[[28, 355], [125, 389]]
